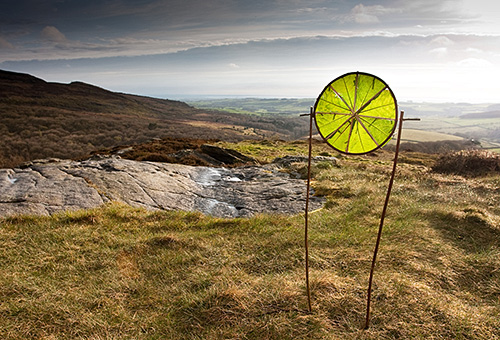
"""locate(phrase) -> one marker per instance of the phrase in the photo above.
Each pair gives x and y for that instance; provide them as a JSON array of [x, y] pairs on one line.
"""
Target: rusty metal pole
[[306, 215], [377, 244]]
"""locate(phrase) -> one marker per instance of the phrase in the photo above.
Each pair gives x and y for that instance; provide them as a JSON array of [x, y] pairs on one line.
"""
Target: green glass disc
[[356, 113]]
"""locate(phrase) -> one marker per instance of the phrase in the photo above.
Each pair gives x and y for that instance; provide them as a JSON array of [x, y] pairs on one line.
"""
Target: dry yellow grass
[[123, 273]]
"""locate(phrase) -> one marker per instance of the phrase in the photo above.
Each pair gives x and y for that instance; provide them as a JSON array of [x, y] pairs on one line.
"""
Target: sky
[[426, 50]]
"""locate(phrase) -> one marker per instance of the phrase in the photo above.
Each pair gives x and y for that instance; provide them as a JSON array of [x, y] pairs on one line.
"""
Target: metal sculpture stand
[[382, 219], [306, 215]]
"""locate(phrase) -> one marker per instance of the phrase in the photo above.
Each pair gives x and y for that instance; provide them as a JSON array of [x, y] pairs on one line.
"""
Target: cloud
[[362, 14], [474, 50], [127, 28], [286, 67], [440, 52], [4, 44], [442, 41], [52, 34], [475, 63]]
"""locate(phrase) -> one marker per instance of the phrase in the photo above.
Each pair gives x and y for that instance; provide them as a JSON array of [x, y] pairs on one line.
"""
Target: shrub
[[468, 163]]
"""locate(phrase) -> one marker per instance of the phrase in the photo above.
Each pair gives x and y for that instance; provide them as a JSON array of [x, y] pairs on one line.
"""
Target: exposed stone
[[289, 160], [183, 152], [226, 156], [49, 186]]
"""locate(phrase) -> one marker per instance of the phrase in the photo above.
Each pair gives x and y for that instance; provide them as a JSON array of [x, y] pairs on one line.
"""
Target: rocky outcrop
[[210, 155], [48, 186], [181, 151], [288, 161]]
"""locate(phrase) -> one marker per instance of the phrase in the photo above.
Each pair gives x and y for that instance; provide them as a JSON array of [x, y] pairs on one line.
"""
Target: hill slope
[[482, 115], [41, 119]]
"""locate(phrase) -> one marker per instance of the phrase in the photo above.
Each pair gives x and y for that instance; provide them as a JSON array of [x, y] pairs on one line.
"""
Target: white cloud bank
[[414, 66]]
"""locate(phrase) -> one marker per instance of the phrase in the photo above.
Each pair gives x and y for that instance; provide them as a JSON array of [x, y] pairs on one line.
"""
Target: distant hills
[[482, 115], [442, 124], [41, 119]]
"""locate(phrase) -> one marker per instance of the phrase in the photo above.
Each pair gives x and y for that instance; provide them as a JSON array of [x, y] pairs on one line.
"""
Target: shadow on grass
[[469, 229]]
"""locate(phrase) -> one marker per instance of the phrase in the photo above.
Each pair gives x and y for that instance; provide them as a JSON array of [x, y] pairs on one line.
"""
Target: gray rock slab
[[49, 186]]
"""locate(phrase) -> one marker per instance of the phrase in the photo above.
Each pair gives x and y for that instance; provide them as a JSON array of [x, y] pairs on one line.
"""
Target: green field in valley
[[438, 121]]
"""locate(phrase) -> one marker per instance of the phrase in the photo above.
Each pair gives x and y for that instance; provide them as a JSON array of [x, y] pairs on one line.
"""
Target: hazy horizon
[[217, 97]]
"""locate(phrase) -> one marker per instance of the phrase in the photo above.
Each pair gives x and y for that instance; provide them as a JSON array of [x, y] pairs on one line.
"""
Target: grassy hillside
[[295, 106], [487, 129], [258, 106], [482, 115], [40, 119], [123, 273], [414, 135]]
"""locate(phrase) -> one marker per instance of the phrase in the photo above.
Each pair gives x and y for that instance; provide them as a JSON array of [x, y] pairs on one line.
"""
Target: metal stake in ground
[[382, 218], [306, 214]]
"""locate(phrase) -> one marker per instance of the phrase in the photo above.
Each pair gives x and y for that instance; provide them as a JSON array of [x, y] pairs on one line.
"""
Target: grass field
[[122, 273], [414, 135], [456, 125], [258, 106]]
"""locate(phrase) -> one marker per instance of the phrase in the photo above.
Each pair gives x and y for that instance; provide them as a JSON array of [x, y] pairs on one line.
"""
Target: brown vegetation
[[40, 119], [189, 151], [437, 147], [469, 163]]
